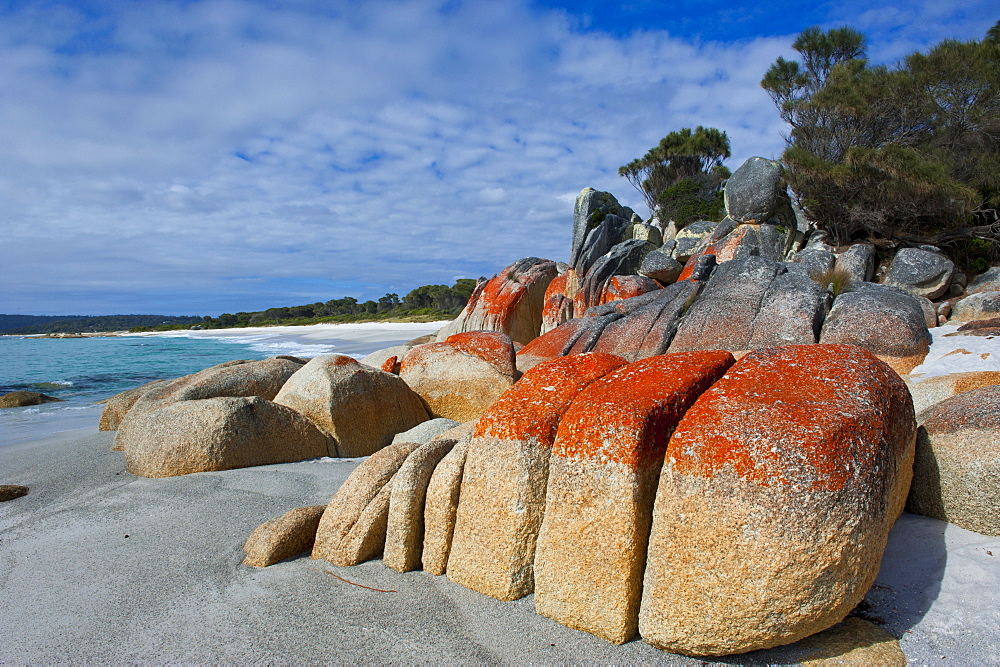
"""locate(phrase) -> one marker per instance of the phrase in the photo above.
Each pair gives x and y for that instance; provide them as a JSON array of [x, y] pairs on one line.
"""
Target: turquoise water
[[81, 371]]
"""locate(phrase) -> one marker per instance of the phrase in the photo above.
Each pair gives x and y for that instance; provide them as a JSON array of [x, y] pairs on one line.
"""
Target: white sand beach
[[355, 339], [98, 565]]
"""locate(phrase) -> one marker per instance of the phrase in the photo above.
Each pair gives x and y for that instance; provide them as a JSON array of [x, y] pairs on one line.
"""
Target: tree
[[681, 178], [906, 153]]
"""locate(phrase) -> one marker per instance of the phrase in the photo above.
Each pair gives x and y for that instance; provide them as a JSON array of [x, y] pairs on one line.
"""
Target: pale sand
[[355, 339], [76, 589]]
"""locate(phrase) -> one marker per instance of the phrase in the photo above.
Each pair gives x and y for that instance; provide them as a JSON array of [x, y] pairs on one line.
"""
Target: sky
[[200, 157]]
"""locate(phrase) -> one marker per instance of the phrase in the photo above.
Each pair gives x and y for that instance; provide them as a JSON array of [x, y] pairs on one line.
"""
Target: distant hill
[[38, 324]]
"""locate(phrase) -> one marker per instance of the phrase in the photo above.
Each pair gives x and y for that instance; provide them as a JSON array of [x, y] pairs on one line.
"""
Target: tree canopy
[[681, 178], [907, 152]]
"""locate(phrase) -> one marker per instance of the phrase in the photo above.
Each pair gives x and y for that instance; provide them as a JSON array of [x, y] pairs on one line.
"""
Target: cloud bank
[[225, 155]]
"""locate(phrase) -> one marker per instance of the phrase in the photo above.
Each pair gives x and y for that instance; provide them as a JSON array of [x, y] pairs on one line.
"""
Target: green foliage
[[684, 155], [690, 200], [834, 281], [32, 324], [908, 152]]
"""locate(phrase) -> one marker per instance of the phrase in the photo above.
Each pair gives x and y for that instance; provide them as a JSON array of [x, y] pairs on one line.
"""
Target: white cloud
[[233, 155]]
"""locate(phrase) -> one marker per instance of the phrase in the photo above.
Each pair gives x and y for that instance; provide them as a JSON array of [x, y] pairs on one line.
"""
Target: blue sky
[[224, 155]]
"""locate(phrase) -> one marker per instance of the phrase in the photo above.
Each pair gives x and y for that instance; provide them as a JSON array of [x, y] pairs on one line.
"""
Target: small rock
[[12, 491], [19, 399], [920, 272], [289, 535]]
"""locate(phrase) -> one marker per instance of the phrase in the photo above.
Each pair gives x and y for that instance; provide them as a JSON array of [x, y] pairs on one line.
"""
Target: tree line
[[427, 302]]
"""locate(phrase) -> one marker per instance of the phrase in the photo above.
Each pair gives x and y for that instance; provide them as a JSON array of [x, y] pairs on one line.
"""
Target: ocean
[[82, 371]]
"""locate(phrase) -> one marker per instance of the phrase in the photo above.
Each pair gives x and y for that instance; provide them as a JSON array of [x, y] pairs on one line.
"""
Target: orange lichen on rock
[[492, 347], [624, 287], [628, 415], [391, 365], [805, 416], [573, 337], [533, 406]]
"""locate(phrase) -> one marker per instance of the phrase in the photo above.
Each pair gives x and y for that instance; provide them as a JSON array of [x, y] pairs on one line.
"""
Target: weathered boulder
[[378, 358], [19, 399], [756, 192], [815, 260], [217, 434], [981, 305], [987, 281], [623, 259], [920, 272], [510, 302], [778, 490], [750, 240], [12, 491], [358, 407], [558, 302], [935, 389], [626, 287], [573, 337], [241, 377], [461, 377], [441, 508], [660, 266], [599, 222], [750, 303], [648, 324], [858, 261], [404, 538], [503, 484], [956, 473], [427, 431], [691, 237], [646, 232], [116, 407], [288, 535], [885, 321], [605, 462], [367, 486]]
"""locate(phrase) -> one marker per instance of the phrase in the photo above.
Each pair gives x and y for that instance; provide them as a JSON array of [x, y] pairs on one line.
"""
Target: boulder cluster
[[700, 436]]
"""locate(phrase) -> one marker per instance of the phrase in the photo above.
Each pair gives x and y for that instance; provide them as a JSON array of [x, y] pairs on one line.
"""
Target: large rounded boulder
[[358, 407], [774, 505], [956, 472], [217, 434]]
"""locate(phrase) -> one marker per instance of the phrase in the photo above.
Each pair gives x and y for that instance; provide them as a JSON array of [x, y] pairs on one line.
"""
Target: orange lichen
[[809, 416], [391, 365], [534, 406], [627, 416], [624, 287], [492, 347]]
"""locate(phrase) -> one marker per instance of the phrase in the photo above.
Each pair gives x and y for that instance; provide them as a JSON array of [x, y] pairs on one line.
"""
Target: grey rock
[[858, 261], [660, 266], [978, 306], [752, 302], [987, 281], [920, 272], [756, 192], [644, 232], [623, 259], [690, 237], [886, 321], [648, 322], [591, 209], [815, 260], [598, 241]]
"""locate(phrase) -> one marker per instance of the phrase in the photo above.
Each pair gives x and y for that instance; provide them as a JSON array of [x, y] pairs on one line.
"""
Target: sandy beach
[[98, 565]]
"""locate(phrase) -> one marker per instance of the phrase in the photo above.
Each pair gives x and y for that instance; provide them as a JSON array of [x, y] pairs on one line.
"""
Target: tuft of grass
[[835, 281]]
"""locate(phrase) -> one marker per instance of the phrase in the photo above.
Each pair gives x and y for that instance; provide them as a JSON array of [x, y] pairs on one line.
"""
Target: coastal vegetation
[[905, 153], [681, 178]]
